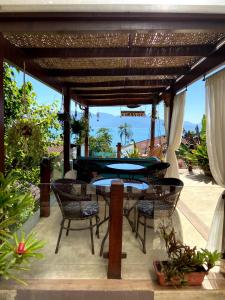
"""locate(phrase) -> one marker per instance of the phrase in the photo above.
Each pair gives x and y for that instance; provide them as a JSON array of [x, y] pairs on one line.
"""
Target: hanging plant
[[76, 126], [25, 138], [62, 116]]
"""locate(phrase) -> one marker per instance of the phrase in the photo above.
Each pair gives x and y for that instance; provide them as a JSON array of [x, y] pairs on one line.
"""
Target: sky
[[194, 108]]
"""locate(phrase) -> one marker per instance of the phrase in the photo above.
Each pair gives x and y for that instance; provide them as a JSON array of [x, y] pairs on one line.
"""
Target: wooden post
[[86, 115], [45, 174], [66, 144], [115, 230], [170, 114], [152, 141], [2, 148], [119, 146]]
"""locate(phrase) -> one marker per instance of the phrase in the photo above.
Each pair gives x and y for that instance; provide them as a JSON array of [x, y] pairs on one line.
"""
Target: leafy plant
[[184, 259], [102, 142], [15, 204], [30, 128], [197, 154], [134, 153], [16, 254], [15, 251]]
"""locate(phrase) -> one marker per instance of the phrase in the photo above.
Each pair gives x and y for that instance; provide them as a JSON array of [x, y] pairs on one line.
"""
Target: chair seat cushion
[[75, 209], [146, 207]]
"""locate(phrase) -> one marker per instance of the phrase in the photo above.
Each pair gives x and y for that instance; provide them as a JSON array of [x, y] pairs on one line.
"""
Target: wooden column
[[170, 114], [119, 146], [115, 230], [66, 145], [45, 174], [2, 148], [152, 141], [86, 115]]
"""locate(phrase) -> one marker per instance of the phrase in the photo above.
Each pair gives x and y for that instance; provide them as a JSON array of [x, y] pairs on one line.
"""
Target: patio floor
[[75, 261]]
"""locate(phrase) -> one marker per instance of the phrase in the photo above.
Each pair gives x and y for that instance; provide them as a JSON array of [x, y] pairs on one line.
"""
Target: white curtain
[[166, 119], [176, 131], [215, 137]]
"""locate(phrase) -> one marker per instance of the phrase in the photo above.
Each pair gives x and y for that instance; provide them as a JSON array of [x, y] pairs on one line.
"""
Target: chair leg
[[103, 241], [97, 226], [144, 240], [68, 228], [92, 239], [59, 237], [135, 217], [137, 226]]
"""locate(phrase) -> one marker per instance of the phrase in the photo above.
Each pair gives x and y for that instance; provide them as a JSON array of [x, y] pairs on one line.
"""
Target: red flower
[[21, 248]]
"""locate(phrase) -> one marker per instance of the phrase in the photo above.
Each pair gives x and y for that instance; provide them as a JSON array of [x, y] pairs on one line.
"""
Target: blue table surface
[[125, 166], [108, 181]]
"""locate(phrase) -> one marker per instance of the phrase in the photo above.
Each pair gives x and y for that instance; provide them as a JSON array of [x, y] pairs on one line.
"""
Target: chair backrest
[[67, 190], [165, 194], [157, 171], [168, 191]]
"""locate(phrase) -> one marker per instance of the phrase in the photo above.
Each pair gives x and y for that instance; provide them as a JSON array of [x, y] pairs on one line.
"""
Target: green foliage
[[184, 259], [14, 204], [125, 132], [199, 155], [101, 142], [30, 128], [12, 260], [135, 153]]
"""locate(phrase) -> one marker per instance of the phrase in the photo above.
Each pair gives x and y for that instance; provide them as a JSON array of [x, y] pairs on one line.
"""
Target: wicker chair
[[159, 202], [75, 204]]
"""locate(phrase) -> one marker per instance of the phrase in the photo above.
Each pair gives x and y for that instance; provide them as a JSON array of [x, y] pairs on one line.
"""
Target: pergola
[[107, 59]]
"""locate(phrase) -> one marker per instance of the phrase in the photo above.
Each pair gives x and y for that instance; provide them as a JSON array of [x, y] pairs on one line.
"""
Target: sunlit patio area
[[112, 221]]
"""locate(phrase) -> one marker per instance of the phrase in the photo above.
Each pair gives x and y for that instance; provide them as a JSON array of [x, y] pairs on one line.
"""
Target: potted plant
[[63, 116], [76, 126], [185, 265]]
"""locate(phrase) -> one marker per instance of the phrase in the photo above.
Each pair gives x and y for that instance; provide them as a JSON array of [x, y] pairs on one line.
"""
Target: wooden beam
[[2, 147], [95, 21], [114, 102], [116, 72], [115, 230], [66, 131], [86, 140], [121, 90], [215, 59], [121, 95], [17, 57], [140, 83], [153, 117], [190, 50]]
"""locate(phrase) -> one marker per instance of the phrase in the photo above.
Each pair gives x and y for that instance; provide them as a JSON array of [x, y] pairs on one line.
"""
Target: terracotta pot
[[193, 278]]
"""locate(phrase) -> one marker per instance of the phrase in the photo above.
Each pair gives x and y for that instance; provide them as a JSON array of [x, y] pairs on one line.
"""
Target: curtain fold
[[215, 138], [176, 131]]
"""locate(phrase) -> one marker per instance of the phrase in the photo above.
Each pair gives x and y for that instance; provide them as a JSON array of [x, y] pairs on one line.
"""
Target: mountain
[[140, 126]]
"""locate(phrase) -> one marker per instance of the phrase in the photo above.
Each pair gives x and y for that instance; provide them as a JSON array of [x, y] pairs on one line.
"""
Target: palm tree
[[126, 132]]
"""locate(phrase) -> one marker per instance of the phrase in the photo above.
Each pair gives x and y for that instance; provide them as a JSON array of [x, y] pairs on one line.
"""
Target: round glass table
[[125, 167], [137, 184]]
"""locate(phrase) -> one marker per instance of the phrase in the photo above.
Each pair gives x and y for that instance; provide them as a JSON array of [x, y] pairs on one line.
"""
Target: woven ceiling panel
[[114, 39], [116, 63], [68, 40], [175, 39]]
